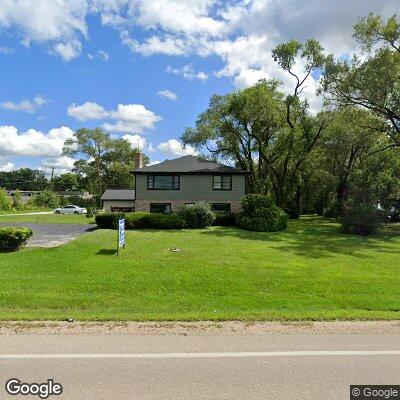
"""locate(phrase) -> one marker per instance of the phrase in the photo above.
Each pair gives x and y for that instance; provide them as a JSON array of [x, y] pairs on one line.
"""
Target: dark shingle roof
[[118, 194], [190, 164]]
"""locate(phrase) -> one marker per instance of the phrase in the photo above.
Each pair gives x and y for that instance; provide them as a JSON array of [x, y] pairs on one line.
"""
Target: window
[[221, 207], [163, 208], [188, 205], [163, 182], [222, 182]]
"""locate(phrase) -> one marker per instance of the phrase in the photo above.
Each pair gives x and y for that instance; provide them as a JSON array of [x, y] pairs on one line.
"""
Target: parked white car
[[70, 209]]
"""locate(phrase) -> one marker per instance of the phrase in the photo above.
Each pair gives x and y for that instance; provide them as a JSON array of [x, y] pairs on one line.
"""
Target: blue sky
[[143, 70]]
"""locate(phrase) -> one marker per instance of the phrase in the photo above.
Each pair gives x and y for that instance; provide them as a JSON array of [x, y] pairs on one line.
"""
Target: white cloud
[[136, 141], [6, 50], [134, 118], [60, 24], [87, 111], [61, 165], [174, 148], [27, 106], [100, 54], [7, 167], [33, 142], [154, 162], [188, 72], [168, 94]]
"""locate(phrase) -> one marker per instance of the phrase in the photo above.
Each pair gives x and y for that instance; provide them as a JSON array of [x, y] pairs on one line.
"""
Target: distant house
[[182, 182], [114, 199]]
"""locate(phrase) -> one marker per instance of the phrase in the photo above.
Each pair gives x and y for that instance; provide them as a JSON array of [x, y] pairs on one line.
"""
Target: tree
[[103, 162], [373, 82], [261, 130], [5, 203], [47, 199], [23, 179], [66, 182]]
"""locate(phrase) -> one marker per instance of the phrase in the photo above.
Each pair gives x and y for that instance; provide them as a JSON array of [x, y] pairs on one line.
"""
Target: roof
[[190, 165], [118, 194]]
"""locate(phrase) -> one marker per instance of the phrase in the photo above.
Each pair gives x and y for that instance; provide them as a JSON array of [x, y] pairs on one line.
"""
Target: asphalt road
[[50, 235], [201, 366]]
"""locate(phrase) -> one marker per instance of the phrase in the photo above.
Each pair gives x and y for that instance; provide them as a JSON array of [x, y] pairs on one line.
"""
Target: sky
[[144, 70]]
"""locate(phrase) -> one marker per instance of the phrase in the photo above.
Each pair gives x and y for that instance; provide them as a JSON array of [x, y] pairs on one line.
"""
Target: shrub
[[362, 219], [11, 239], [47, 199], [261, 214], [17, 201], [132, 217], [5, 203], [89, 213], [108, 220], [198, 216], [224, 219], [155, 221]]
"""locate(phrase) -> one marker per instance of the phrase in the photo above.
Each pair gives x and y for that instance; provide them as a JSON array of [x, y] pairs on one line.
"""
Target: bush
[[224, 219], [89, 213], [47, 199], [261, 214], [11, 239], [198, 216], [360, 220], [5, 203], [108, 220], [17, 201], [155, 221]]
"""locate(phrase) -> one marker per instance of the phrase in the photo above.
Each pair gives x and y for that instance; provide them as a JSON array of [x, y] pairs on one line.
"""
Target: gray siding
[[192, 187]]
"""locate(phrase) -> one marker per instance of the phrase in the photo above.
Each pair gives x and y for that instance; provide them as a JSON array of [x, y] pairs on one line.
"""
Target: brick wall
[[144, 205]]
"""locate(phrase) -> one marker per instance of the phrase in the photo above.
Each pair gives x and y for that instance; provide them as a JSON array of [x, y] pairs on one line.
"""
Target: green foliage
[[261, 214], [108, 220], [198, 216], [360, 219], [64, 182], [131, 218], [158, 221], [47, 199], [89, 213], [23, 179], [5, 203], [17, 203], [11, 239], [224, 219]]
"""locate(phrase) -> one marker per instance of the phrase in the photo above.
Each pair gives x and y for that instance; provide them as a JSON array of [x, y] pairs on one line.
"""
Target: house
[[114, 199], [185, 181], [182, 182]]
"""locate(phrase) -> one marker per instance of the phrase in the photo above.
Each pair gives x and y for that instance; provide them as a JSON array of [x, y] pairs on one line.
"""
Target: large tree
[[23, 179], [102, 161], [262, 130], [372, 79]]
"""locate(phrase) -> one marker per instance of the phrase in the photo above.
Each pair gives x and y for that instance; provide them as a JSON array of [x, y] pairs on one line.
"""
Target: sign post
[[121, 234]]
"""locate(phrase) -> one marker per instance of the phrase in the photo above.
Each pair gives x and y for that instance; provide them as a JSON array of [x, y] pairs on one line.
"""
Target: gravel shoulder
[[200, 328]]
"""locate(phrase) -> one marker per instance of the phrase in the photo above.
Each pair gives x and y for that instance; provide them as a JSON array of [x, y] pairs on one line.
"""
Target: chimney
[[139, 159]]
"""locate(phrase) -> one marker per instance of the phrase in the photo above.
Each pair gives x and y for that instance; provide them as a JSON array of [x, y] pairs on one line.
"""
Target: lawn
[[47, 219], [310, 271]]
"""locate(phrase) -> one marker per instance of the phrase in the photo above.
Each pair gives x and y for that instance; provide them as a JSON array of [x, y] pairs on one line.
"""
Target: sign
[[121, 233]]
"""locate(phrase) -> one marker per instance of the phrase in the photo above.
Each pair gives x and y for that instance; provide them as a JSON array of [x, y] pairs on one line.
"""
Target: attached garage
[[118, 199]]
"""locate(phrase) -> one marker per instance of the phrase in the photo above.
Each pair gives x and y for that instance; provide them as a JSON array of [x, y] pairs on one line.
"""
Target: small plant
[[261, 214], [89, 213], [198, 216], [12, 239], [17, 201]]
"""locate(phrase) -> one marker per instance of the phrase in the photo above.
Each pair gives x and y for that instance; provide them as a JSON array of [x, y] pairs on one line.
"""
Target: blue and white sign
[[121, 233]]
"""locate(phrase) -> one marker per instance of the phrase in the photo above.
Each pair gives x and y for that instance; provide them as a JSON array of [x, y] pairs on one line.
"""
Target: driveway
[[51, 235]]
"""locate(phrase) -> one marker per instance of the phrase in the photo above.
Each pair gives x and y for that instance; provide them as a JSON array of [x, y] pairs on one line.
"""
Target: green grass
[[48, 219], [12, 211], [311, 271]]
